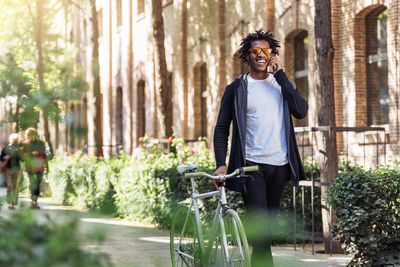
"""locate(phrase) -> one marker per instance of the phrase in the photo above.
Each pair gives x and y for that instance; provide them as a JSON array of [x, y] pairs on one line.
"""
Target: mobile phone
[[274, 66]]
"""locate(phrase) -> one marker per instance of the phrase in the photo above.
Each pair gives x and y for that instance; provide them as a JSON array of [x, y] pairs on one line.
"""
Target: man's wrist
[[278, 72]]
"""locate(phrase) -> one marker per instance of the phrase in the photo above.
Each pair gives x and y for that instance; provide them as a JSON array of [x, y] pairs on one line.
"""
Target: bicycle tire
[[190, 239], [238, 248]]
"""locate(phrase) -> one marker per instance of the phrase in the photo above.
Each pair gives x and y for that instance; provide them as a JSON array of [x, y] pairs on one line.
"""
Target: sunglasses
[[257, 50]]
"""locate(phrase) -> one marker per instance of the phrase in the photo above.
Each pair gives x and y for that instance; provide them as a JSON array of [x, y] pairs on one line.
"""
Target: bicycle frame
[[222, 205]]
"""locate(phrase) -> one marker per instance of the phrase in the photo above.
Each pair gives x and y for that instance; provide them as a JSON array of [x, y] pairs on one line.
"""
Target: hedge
[[367, 205], [147, 187]]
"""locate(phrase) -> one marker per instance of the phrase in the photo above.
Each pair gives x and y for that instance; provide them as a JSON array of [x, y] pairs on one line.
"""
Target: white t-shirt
[[265, 137]]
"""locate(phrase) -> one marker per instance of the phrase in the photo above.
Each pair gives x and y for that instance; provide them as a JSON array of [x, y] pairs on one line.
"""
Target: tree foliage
[[18, 63]]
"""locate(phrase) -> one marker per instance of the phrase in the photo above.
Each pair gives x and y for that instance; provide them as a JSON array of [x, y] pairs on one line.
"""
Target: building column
[[222, 47], [271, 15], [185, 69]]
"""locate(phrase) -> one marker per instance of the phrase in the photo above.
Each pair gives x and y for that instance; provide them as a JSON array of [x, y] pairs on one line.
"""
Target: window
[[140, 7], [119, 120], [100, 22], [141, 110], [171, 96], [377, 67], [301, 69], [203, 97], [85, 30], [72, 123], [84, 121], [200, 101], [119, 12]]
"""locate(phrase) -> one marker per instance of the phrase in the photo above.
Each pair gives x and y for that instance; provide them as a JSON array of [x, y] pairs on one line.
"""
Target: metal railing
[[313, 236]]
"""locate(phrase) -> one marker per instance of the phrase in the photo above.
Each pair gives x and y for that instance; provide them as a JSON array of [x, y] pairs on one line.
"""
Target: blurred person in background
[[36, 163], [11, 157]]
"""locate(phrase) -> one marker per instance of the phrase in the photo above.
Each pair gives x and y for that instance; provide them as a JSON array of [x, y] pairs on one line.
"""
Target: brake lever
[[242, 174]]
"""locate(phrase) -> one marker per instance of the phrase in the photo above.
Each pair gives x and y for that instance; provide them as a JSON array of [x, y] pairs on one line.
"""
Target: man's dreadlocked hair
[[258, 35]]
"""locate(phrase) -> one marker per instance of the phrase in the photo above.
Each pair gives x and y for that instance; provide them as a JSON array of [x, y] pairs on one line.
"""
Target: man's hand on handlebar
[[221, 170]]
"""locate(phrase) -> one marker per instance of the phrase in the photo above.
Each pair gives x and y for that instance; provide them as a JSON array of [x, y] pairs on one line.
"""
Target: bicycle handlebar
[[222, 176]]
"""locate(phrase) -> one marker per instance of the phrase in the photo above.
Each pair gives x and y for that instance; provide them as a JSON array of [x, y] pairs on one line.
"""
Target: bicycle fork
[[223, 208]]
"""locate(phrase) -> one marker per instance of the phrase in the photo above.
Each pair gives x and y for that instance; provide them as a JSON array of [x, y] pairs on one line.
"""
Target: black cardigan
[[234, 108]]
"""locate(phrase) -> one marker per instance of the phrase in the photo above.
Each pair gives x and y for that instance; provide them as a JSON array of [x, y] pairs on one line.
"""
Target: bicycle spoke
[[237, 252], [184, 239], [226, 244]]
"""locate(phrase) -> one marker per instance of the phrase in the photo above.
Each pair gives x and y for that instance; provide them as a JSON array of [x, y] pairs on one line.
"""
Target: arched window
[[79, 131], [84, 121], [171, 89], [140, 110], [119, 120], [200, 100], [72, 123], [301, 68], [85, 29], [296, 64], [377, 67], [238, 66]]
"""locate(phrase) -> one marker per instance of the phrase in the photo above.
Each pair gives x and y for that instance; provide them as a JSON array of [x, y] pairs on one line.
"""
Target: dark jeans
[[35, 179], [262, 200]]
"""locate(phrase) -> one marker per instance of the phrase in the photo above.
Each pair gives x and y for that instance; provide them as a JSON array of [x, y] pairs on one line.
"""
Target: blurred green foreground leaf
[[25, 242]]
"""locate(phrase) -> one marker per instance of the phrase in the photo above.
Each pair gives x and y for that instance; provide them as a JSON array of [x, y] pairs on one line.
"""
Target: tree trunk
[[95, 130], [40, 64], [163, 91], [326, 109]]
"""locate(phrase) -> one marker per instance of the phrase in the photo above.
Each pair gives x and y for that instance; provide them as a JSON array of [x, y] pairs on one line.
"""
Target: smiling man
[[259, 105]]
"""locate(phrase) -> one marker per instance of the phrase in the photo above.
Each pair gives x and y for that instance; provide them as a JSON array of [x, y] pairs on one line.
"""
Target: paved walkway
[[132, 245]]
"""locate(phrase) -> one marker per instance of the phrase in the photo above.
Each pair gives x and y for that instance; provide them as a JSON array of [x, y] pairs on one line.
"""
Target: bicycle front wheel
[[184, 239], [235, 249]]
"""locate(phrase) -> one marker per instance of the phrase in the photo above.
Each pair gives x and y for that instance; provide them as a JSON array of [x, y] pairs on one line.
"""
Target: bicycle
[[227, 243]]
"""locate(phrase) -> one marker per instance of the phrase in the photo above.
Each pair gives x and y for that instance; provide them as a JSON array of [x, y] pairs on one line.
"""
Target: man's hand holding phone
[[275, 63]]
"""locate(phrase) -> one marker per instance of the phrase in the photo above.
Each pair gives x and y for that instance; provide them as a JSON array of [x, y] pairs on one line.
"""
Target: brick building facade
[[202, 38]]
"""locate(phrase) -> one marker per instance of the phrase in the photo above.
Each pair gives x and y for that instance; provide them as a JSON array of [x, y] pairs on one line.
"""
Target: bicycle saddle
[[185, 168]]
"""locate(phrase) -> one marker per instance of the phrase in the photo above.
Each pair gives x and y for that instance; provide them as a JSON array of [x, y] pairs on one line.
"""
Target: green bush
[[367, 204], [148, 188], [24, 242], [84, 182]]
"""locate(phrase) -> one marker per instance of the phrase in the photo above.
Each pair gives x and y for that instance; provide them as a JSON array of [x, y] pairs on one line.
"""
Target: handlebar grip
[[254, 168], [194, 174]]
